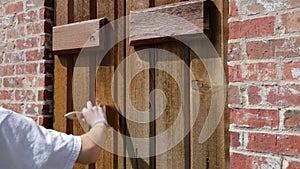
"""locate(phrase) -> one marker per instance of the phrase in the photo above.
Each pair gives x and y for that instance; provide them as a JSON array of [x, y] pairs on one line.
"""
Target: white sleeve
[[24, 144]]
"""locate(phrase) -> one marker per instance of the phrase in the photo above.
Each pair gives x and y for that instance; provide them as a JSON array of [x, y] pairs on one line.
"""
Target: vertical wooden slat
[[175, 89], [139, 89], [199, 152], [60, 73], [177, 156]]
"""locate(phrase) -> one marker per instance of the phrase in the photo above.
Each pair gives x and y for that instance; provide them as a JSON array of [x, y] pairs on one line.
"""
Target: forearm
[[89, 152]]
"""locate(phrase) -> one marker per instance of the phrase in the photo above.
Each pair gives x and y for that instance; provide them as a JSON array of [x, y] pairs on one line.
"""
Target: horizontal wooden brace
[[159, 24], [72, 37]]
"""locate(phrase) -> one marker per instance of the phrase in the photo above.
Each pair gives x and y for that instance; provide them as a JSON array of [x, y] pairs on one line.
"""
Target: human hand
[[94, 115]]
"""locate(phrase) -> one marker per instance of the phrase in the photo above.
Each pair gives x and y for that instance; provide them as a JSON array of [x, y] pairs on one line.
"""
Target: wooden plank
[[199, 152], [139, 94], [87, 35], [173, 82], [60, 93], [159, 23], [60, 71], [138, 109]]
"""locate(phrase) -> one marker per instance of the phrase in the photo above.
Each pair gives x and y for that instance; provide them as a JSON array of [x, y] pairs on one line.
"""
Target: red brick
[[233, 10], [46, 13], [241, 161], [254, 8], [34, 81], [10, 34], [6, 95], [13, 82], [286, 95], [16, 57], [44, 95], [25, 95], [254, 118], [32, 109], [293, 165], [263, 49], [234, 95], [14, 8], [6, 70], [252, 28], [272, 143], [234, 139], [33, 55], [28, 17], [292, 71], [253, 72], [293, 3], [28, 68], [292, 119], [7, 22], [289, 49], [234, 52], [26, 43], [291, 22], [1, 84], [21, 31], [16, 107]]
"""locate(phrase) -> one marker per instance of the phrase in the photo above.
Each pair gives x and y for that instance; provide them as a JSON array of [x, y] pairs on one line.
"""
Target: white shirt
[[26, 145]]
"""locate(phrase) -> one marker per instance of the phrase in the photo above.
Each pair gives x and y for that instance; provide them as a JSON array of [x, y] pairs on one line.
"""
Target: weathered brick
[[28, 17], [26, 43], [273, 143], [253, 72], [263, 49], [46, 68], [28, 68], [234, 95], [14, 8], [16, 57], [292, 119], [6, 94], [10, 34], [243, 161], [16, 107], [287, 95], [234, 52], [6, 70], [293, 165], [254, 118], [233, 10], [25, 95], [235, 139], [292, 71], [13, 82], [7, 22], [291, 22], [252, 28]]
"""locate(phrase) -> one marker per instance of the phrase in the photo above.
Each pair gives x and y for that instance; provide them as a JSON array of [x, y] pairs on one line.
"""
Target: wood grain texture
[[174, 84], [139, 88], [160, 23], [60, 71], [78, 35]]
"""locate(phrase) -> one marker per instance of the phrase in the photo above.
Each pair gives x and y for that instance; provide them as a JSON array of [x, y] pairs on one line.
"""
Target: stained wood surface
[[60, 69], [86, 33], [160, 23], [173, 120]]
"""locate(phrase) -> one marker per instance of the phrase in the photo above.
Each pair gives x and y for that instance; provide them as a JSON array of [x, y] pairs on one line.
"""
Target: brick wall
[[26, 63], [264, 83]]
